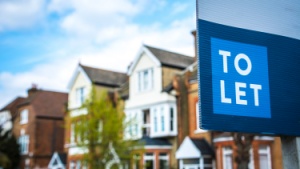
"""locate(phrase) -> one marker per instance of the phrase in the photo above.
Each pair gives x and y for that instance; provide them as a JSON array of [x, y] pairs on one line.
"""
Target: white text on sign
[[239, 92]]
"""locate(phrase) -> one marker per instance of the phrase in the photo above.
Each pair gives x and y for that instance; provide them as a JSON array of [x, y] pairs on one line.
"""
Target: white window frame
[[24, 144], [80, 95], [24, 116], [155, 120], [198, 129], [265, 152], [150, 157], [164, 157], [227, 151], [162, 120], [142, 87]]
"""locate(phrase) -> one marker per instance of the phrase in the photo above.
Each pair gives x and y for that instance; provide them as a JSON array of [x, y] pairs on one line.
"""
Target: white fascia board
[[187, 150], [139, 55], [261, 138], [158, 147], [75, 74]]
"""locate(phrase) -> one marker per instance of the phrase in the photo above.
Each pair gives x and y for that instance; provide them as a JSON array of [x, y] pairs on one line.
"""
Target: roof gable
[[75, 75], [162, 57], [12, 106], [187, 150], [142, 50]]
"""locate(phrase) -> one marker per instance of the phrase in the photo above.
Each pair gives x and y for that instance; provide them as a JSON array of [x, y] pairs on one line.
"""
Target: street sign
[[249, 66]]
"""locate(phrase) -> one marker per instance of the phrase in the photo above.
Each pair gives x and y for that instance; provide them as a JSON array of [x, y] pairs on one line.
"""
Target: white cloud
[[100, 34], [20, 13]]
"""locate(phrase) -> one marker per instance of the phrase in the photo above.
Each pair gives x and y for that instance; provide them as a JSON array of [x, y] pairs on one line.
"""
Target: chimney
[[32, 90], [194, 33]]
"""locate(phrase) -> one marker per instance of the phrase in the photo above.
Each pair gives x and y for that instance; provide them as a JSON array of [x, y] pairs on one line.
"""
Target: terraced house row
[[160, 91]]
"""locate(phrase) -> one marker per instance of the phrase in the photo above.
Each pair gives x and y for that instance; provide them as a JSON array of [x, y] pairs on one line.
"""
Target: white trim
[[262, 138], [148, 157], [266, 152], [224, 154], [59, 165], [142, 50], [157, 147], [74, 76], [115, 159], [221, 139]]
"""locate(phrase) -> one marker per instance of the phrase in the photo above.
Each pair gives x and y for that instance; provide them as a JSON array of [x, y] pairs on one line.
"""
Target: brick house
[[154, 112], [8, 113], [80, 85], [38, 124]]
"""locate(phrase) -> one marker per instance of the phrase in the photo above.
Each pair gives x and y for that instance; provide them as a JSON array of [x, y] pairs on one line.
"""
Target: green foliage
[[101, 126], [9, 150]]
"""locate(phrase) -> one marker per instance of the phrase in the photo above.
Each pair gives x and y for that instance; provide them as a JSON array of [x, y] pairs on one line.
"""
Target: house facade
[[8, 113], [38, 125], [83, 80], [154, 113]]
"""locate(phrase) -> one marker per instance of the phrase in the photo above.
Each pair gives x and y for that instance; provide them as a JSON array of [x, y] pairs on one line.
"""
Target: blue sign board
[[249, 80]]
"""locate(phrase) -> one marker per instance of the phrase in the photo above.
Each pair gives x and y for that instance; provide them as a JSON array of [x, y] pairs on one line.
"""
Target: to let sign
[[249, 66], [240, 79]]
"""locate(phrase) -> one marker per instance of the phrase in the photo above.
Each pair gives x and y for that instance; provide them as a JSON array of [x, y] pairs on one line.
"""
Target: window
[[171, 119], [145, 80], [155, 120], [163, 161], [227, 158], [264, 157], [24, 144], [24, 116], [80, 95], [146, 122], [149, 161], [198, 129], [162, 119]]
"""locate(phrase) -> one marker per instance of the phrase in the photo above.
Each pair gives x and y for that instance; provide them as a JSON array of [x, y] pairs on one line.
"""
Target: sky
[[42, 42]]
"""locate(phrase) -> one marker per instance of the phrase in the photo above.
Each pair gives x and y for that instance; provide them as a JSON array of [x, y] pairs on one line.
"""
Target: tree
[[243, 143], [9, 150], [100, 131]]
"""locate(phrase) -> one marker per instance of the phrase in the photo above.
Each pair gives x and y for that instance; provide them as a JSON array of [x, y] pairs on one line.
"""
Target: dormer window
[[80, 95], [145, 80], [24, 116]]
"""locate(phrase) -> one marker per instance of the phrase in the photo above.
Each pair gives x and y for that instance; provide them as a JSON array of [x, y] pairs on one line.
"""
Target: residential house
[[83, 80], [38, 125], [154, 112], [194, 152], [8, 113]]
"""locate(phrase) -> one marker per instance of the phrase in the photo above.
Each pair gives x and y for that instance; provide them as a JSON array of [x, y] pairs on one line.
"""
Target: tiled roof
[[154, 141], [46, 103], [171, 59], [203, 146], [12, 105], [105, 77]]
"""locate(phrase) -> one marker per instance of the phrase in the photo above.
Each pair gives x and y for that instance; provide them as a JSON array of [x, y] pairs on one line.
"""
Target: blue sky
[[43, 41]]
